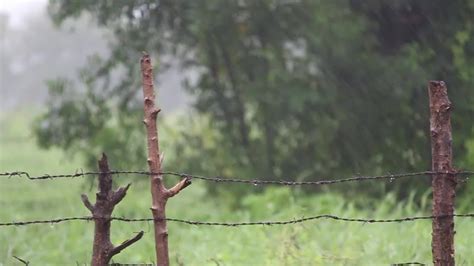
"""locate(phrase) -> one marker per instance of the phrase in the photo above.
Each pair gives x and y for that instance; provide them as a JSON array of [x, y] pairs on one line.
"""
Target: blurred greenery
[[293, 90], [284, 89], [322, 242]]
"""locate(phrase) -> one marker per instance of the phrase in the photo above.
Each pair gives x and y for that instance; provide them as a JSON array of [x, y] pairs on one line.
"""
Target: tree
[[292, 89]]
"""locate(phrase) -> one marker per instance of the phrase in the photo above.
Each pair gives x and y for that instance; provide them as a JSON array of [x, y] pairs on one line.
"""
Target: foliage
[[468, 188], [285, 88]]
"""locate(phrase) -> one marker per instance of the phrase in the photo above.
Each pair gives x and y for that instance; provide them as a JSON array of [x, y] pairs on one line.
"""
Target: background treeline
[[281, 89]]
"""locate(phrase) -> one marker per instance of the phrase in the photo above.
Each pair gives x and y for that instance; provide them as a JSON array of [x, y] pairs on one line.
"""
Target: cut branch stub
[[106, 199]]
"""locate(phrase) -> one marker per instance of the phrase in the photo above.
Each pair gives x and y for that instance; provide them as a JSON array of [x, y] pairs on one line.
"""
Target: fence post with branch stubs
[[159, 193], [444, 183], [103, 250]]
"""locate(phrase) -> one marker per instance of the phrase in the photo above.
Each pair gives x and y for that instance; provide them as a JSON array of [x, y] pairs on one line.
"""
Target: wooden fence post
[[159, 193], [103, 250], [444, 182]]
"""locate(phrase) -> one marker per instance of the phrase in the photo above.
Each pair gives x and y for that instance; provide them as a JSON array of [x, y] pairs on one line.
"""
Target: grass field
[[322, 242]]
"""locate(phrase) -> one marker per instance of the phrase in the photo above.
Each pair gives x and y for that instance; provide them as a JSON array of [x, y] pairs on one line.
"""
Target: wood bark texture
[[444, 183], [103, 250], [159, 193]]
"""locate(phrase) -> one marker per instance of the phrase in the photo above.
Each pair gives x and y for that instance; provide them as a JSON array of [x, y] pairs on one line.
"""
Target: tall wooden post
[[444, 182], [159, 193]]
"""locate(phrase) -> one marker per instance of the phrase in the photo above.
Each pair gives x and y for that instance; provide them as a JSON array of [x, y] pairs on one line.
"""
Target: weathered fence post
[[444, 182], [159, 193], [103, 250]]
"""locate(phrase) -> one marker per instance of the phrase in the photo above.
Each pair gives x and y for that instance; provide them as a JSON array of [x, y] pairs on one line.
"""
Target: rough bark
[[159, 193], [103, 250], [444, 183]]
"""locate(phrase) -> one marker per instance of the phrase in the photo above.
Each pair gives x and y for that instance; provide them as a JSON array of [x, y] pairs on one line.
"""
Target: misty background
[[33, 50], [296, 90]]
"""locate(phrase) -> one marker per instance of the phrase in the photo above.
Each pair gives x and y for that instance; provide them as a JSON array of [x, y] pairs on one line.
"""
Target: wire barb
[[235, 224]]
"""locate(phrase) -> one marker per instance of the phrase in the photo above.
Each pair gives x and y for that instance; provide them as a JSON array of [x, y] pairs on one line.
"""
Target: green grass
[[322, 242]]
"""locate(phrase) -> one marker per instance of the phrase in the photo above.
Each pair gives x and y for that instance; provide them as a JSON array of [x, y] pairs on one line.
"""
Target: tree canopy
[[294, 89]]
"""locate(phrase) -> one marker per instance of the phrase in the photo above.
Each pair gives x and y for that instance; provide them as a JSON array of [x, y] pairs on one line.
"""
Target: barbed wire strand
[[235, 224], [407, 263], [219, 179]]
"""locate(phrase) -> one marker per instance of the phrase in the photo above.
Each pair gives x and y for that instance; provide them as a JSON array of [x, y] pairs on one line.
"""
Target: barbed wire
[[407, 263], [220, 179], [235, 224]]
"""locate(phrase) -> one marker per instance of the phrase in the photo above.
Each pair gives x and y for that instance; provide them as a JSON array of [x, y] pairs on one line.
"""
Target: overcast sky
[[17, 10]]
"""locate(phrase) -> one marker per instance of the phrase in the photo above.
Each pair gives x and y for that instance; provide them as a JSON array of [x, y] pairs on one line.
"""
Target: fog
[[34, 50]]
